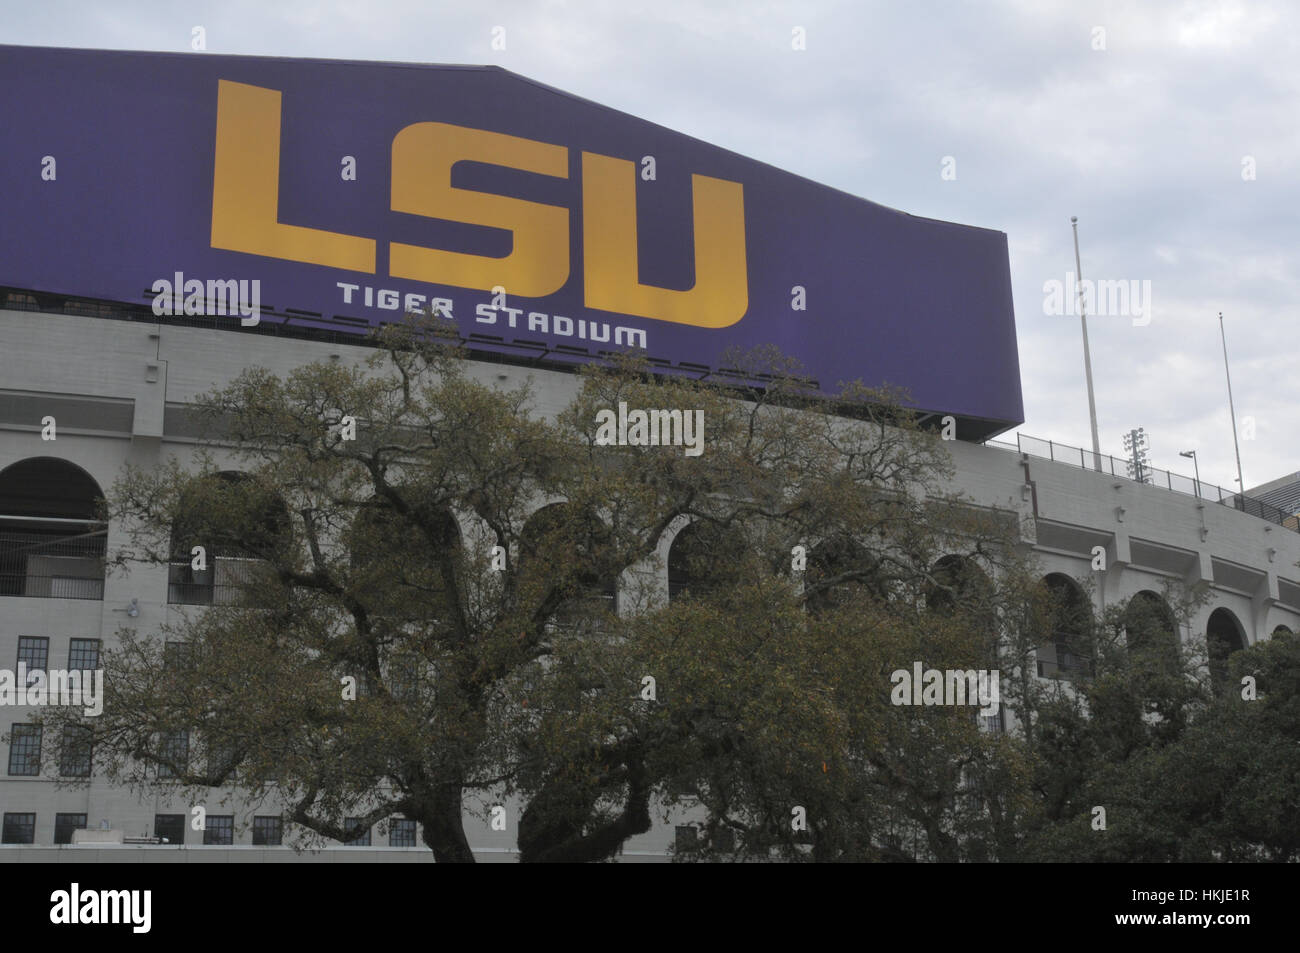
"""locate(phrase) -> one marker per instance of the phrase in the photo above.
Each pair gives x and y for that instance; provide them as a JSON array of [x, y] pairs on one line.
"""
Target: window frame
[[60, 827], [17, 750], [226, 824], [6, 825], [72, 654], [262, 821]]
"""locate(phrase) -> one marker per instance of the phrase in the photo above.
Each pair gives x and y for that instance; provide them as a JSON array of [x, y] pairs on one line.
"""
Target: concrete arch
[[834, 557], [49, 488], [231, 546], [1224, 636], [1151, 628], [697, 558], [583, 539], [1067, 650], [52, 537], [958, 579], [380, 517]]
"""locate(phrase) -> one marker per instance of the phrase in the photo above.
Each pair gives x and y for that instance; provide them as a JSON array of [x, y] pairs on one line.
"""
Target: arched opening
[[558, 537], [839, 568], [1281, 630], [52, 536], [383, 543], [959, 599], [959, 584], [1152, 631], [1067, 653], [239, 524], [702, 559], [1223, 637]]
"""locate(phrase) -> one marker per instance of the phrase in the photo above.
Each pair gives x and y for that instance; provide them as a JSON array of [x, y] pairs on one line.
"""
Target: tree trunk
[[444, 826]]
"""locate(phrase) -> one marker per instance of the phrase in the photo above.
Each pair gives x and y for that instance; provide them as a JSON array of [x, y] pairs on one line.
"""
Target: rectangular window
[[83, 655], [267, 831], [175, 750], [35, 651], [75, 751], [19, 829], [362, 838], [219, 829], [401, 833], [65, 824], [223, 761], [170, 827], [176, 656], [25, 751]]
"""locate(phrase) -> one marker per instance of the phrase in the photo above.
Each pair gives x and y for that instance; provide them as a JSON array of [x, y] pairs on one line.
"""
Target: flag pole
[[1087, 356], [1232, 411]]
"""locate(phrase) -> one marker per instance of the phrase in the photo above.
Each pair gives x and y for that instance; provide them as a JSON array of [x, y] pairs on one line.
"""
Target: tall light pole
[[1233, 411], [1087, 356], [1195, 466]]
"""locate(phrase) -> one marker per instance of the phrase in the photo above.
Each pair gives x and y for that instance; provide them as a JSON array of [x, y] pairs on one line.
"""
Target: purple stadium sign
[[337, 194]]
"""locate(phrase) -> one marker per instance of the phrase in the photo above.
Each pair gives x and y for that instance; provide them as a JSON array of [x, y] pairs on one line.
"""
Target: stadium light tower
[[1087, 356], [1135, 442]]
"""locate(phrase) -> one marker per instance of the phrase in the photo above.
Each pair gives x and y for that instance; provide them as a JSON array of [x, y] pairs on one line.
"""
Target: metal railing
[[1122, 467], [223, 583], [53, 565], [1056, 660]]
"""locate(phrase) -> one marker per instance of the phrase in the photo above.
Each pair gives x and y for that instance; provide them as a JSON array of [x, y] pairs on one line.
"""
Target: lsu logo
[[245, 217]]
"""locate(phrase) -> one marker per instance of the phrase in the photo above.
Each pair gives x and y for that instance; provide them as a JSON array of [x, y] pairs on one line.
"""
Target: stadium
[[323, 198]]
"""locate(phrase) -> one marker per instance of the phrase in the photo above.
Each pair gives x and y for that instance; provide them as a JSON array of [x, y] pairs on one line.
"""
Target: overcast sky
[[1172, 129]]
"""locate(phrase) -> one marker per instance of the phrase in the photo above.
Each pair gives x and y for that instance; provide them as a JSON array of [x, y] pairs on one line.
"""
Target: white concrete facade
[[1149, 534]]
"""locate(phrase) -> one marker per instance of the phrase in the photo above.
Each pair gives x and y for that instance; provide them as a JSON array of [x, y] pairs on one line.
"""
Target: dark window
[[35, 652], [688, 838], [401, 833], [25, 750], [362, 838], [75, 751], [170, 827], [223, 760], [65, 824], [219, 829], [176, 750], [267, 831], [176, 656], [83, 655], [19, 829]]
